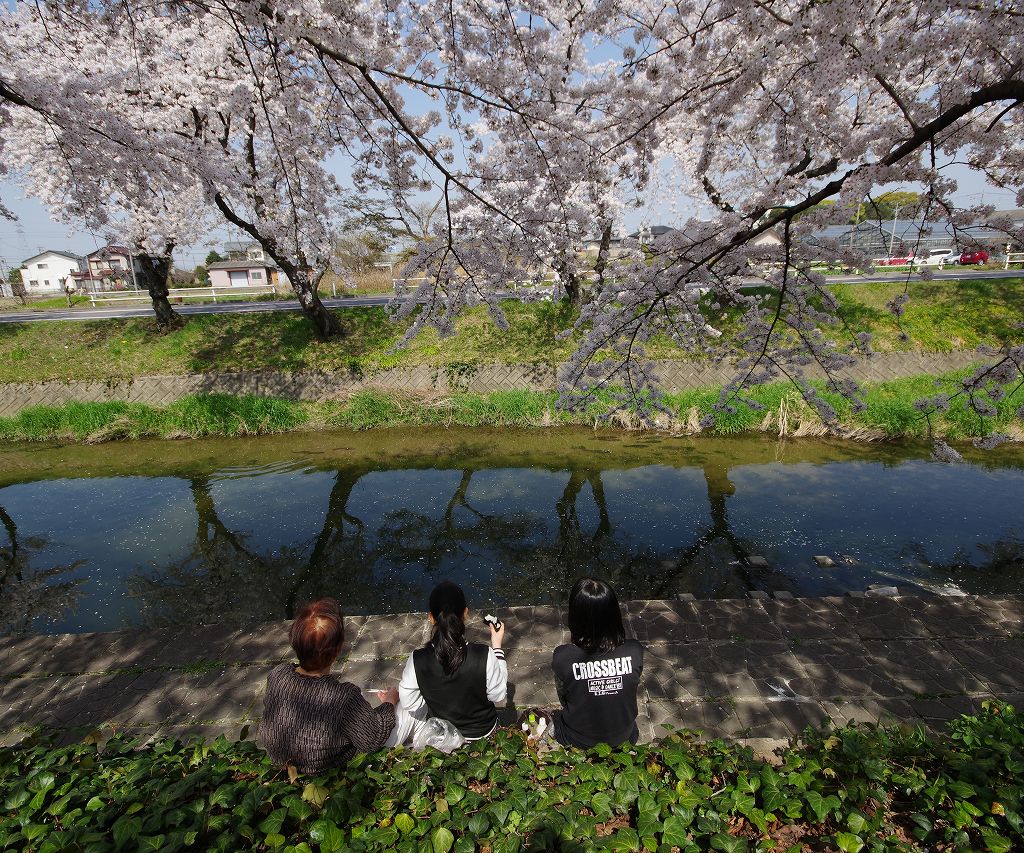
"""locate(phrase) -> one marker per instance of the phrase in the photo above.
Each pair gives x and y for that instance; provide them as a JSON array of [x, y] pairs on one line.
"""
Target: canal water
[[240, 531]]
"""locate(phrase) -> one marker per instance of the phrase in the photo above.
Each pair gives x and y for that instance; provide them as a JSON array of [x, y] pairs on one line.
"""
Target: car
[[934, 258], [952, 258], [974, 256], [894, 261]]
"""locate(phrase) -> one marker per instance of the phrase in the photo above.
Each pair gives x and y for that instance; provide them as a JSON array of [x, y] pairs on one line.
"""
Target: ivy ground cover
[[850, 789]]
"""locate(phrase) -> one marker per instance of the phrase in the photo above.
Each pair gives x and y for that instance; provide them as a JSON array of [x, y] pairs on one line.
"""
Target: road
[[144, 309]]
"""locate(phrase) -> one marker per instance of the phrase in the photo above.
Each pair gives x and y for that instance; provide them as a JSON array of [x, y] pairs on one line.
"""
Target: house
[[246, 266], [46, 272], [112, 267]]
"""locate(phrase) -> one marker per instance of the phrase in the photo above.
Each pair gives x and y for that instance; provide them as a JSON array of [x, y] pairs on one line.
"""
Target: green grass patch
[[855, 788], [940, 316], [890, 412]]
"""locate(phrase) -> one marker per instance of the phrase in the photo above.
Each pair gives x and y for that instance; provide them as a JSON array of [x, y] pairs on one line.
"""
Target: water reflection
[[32, 598], [238, 544]]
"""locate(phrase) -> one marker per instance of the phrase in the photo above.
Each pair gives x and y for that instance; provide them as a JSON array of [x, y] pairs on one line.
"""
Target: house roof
[[241, 265], [107, 251], [68, 255]]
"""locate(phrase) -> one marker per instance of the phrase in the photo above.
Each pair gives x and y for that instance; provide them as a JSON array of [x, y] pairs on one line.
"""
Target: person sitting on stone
[[311, 718], [450, 678], [598, 673]]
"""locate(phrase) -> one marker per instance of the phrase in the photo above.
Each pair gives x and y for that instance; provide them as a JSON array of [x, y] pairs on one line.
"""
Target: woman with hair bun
[[598, 673], [313, 719], [451, 679]]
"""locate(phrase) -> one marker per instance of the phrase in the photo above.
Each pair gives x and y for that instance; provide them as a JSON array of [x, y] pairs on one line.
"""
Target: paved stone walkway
[[757, 669]]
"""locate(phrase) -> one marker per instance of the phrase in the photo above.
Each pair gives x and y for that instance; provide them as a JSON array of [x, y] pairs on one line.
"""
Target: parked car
[[894, 261], [934, 258], [952, 258], [974, 256]]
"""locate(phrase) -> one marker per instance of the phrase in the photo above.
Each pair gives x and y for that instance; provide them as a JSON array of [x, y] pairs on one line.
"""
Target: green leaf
[[817, 804], [328, 836], [94, 804], [857, 822], [126, 829], [272, 823], [479, 824], [675, 831], [848, 842], [315, 795], [152, 843], [465, 845], [274, 840], [42, 781], [728, 844], [442, 840], [405, 823]]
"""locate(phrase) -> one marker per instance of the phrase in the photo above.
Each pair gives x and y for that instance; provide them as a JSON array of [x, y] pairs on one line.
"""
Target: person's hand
[[496, 636], [390, 696]]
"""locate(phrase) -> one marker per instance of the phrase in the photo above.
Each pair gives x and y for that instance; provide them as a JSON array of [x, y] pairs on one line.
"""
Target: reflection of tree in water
[[224, 581], [27, 595], [990, 568], [506, 556]]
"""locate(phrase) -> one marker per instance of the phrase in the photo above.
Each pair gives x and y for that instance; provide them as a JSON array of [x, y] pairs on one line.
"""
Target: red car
[[978, 256]]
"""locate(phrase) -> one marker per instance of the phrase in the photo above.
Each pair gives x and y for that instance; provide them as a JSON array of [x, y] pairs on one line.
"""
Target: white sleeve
[[497, 675], [409, 696]]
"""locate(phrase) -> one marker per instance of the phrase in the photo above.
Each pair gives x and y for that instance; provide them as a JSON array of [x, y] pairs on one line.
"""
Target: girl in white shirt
[[451, 679]]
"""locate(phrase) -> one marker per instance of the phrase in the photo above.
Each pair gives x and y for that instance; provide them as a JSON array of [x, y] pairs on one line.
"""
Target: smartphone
[[493, 620]]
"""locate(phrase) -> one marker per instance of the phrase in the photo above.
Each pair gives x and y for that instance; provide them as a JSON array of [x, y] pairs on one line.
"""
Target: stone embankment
[[759, 668], [674, 376]]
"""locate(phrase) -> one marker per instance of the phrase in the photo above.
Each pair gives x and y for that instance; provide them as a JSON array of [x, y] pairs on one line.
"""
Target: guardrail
[[547, 288], [182, 293], [1013, 258]]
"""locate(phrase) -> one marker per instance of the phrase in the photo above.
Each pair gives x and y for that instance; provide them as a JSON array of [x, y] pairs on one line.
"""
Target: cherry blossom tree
[[539, 124]]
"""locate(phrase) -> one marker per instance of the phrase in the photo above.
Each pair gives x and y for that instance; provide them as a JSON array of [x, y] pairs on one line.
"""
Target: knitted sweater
[[316, 722]]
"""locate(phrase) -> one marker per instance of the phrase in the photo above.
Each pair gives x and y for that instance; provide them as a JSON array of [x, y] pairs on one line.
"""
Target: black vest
[[460, 698]]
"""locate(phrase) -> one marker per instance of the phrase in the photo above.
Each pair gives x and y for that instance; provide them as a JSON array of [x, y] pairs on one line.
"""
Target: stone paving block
[[20, 655], [267, 643], [232, 694], [728, 619], [948, 617], [809, 619], [671, 672], [750, 670], [1006, 612], [714, 719], [839, 669], [537, 627], [999, 662], [936, 712], [530, 671], [370, 675], [782, 719], [880, 618], [921, 667], [887, 711], [388, 636], [656, 622]]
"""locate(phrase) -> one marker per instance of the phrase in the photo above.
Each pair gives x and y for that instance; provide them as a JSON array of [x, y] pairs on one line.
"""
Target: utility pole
[[892, 239]]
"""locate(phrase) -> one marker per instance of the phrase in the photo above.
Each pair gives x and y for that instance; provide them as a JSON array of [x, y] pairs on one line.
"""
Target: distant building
[[110, 268], [246, 266], [46, 272]]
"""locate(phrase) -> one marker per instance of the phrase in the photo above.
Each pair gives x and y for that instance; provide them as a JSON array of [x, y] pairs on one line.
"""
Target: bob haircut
[[595, 621], [317, 633]]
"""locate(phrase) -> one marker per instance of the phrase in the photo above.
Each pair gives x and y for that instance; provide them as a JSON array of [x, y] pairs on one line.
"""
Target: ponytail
[[447, 604]]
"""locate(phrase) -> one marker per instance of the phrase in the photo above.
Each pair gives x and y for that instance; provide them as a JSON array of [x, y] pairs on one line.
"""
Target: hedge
[[862, 787]]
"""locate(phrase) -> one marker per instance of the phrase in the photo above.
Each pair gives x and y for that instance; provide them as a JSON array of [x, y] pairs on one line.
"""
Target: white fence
[[548, 288], [181, 293], [1013, 258]]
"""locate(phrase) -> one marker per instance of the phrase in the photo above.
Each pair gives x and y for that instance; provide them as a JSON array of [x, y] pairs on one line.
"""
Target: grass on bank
[[940, 316], [851, 789], [890, 413]]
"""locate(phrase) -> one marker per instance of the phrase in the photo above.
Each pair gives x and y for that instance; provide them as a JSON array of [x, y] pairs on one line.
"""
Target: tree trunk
[[153, 271], [601, 264], [325, 322]]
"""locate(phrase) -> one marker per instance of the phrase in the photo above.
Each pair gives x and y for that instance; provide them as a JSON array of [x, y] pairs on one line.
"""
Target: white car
[[934, 258], [952, 258]]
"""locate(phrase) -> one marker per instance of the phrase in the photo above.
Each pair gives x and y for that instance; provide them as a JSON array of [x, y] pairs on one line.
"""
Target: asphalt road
[[142, 309]]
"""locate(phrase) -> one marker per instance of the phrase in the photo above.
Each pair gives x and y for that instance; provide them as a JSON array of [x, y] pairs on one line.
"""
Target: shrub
[[855, 788]]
